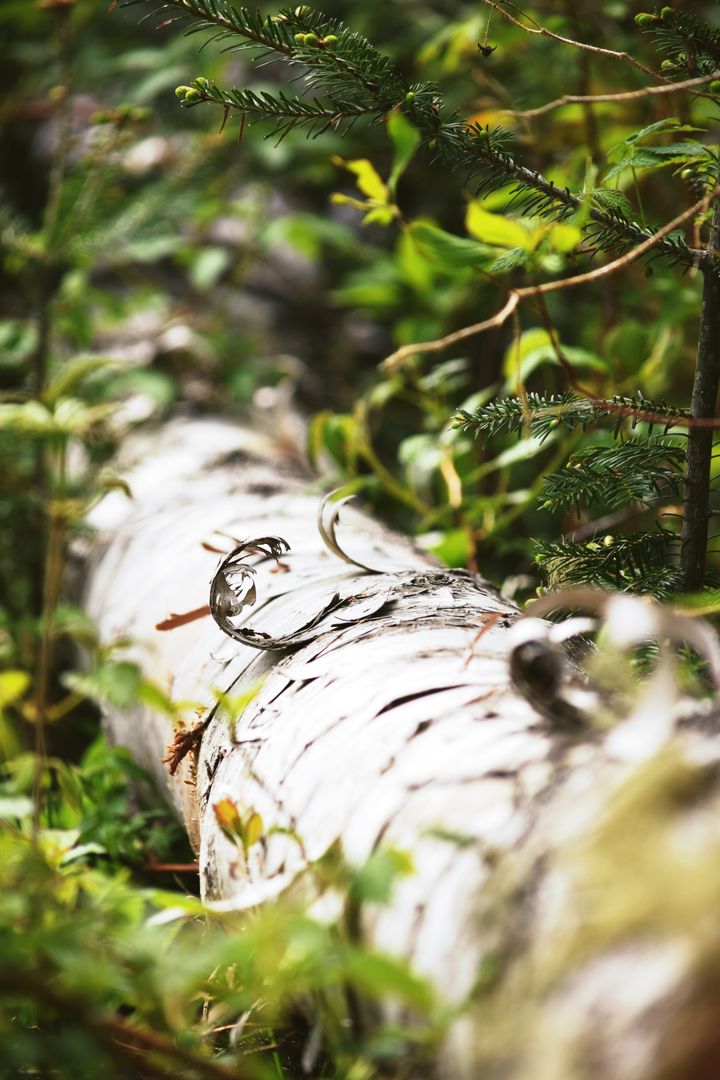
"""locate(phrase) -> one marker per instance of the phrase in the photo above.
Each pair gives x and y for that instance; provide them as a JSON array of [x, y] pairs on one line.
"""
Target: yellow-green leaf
[[366, 178], [254, 828], [565, 237], [495, 229], [446, 250], [13, 685], [405, 139]]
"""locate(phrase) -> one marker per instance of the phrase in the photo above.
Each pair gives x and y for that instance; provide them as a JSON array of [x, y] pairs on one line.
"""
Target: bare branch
[[625, 95], [396, 359], [542, 31]]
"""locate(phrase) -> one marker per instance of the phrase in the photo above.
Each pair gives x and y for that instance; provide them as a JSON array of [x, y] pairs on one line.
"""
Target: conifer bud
[[644, 19], [299, 39], [331, 40], [666, 13], [410, 96], [311, 39], [181, 91]]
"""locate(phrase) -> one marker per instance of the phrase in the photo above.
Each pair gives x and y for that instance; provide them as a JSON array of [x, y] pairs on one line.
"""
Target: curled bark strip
[[327, 525], [226, 603]]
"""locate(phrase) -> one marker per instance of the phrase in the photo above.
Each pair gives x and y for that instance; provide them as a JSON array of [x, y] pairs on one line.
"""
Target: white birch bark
[[395, 723]]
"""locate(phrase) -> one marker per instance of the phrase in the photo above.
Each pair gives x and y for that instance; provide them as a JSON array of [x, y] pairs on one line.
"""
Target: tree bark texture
[[567, 882]]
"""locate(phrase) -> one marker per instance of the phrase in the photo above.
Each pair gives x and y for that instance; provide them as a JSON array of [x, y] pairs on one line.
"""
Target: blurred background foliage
[[150, 263]]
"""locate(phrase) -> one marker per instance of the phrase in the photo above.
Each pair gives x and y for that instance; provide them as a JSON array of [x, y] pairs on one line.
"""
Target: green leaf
[[208, 266], [535, 349], [366, 178], [75, 371], [405, 139], [700, 604], [670, 123], [69, 417], [18, 340], [564, 237], [115, 684], [382, 976], [446, 250], [496, 229], [13, 685], [453, 546]]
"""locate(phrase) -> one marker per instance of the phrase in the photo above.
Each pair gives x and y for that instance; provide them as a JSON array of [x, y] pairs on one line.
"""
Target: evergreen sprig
[[691, 47], [226, 21], [287, 111], [634, 471], [356, 79], [544, 413], [640, 562]]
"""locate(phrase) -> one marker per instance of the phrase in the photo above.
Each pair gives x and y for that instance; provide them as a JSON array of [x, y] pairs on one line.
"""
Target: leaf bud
[[299, 39], [410, 96], [331, 40], [608, 540], [714, 86], [181, 91], [666, 13], [311, 39], [193, 95], [202, 82], [644, 18], [668, 65]]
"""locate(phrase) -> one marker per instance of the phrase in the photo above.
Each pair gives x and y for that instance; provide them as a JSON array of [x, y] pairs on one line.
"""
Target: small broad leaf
[[366, 178], [447, 250], [13, 685], [229, 819], [254, 829], [496, 229], [75, 371], [405, 139], [536, 349]]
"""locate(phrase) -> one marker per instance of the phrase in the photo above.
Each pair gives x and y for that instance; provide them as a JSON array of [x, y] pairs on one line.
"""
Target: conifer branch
[[286, 112], [636, 471], [640, 562], [544, 413], [346, 68]]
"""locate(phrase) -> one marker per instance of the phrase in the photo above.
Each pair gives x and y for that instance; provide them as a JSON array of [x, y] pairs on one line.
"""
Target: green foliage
[[635, 471], [138, 254], [346, 76], [638, 562], [98, 974]]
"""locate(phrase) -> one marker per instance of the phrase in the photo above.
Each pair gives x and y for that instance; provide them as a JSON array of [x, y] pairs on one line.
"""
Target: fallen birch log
[[567, 877]]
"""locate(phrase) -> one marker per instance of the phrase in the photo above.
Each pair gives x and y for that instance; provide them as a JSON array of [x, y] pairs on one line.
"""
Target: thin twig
[[396, 359], [625, 95], [543, 31]]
